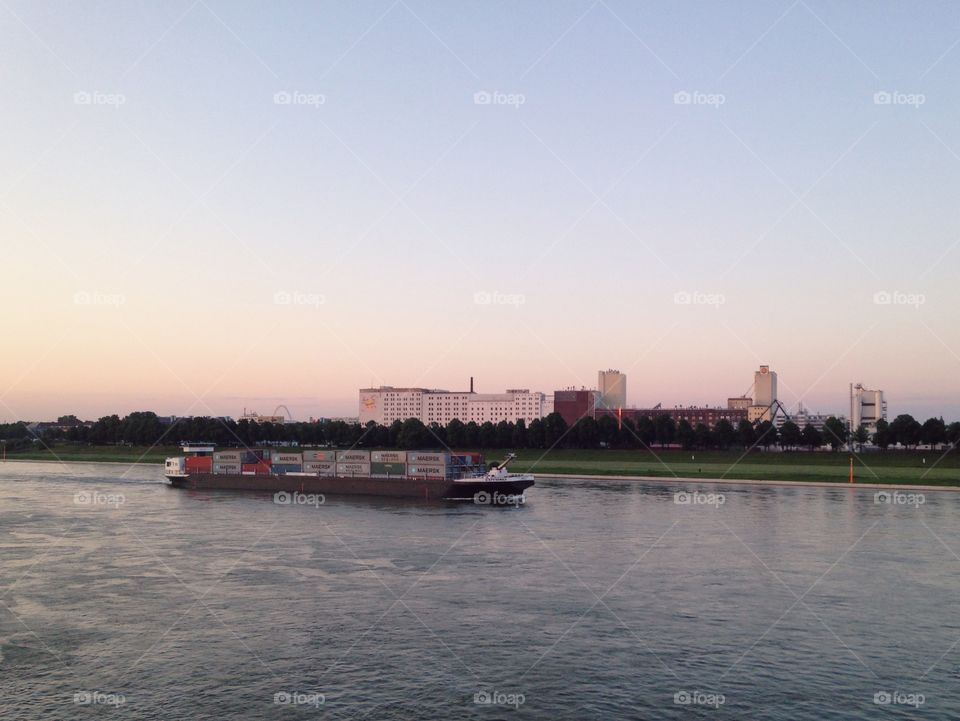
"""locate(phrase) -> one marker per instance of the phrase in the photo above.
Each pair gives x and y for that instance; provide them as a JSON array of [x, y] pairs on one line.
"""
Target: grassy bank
[[899, 467]]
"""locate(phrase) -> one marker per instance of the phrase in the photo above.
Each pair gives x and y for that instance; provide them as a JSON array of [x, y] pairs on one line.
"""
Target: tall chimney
[[471, 384]]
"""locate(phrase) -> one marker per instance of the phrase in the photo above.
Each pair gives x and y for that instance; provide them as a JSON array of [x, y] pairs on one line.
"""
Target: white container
[[388, 456], [353, 456], [353, 469]]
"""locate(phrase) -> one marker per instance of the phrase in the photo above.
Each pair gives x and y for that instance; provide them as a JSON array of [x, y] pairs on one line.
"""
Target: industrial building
[[386, 404], [866, 408], [612, 389], [765, 400]]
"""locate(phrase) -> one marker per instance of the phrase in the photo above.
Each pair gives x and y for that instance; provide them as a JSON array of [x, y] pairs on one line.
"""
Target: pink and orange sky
[[206, 207]]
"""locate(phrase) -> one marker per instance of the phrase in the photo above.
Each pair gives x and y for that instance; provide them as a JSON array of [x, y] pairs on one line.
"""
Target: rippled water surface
[[593, 601]]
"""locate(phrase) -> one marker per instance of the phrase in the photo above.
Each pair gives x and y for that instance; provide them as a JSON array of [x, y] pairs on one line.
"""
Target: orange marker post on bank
[[851, 470]]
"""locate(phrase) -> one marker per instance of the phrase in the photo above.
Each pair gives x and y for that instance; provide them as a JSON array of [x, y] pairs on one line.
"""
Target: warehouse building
[[387, 404]]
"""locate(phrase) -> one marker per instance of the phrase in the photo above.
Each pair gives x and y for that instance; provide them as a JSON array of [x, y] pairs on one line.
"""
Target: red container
[[199, 464], [261, 468]]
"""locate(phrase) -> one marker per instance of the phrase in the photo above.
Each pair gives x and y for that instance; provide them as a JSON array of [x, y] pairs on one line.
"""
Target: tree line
[[144, 428]]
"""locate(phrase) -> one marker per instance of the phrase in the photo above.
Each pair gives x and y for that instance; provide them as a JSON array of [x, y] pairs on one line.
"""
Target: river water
[[121, 596]]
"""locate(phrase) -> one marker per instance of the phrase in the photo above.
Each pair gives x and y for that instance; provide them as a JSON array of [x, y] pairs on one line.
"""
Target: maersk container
[[228, 457], [353, 469], [322, 468], [287, 458], [388, 469], [428, 470], [388, 456], [353, 456], [224, 468], [428, 457], [319, 456], [287, 467]]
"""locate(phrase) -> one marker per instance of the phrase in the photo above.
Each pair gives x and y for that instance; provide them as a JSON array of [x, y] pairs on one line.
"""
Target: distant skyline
[[206, 206]]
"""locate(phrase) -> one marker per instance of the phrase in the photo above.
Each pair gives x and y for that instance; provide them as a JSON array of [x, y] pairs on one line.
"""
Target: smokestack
[[471, 384]]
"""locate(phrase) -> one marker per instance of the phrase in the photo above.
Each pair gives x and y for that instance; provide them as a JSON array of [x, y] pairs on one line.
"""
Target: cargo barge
[[428, 475]]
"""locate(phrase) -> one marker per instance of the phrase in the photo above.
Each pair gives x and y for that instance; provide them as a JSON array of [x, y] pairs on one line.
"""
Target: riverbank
[[743, 482]]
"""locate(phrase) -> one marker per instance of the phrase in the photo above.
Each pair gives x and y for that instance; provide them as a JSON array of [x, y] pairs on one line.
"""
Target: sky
[[207, 206]]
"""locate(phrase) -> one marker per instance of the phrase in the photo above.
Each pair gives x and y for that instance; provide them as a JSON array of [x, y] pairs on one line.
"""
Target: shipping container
[[322, 468], [428, 470], [319, 456], [222, 468], [388, 469], [260, 468], [199, 464], [353, 469], [388, 456], [286, 467], [286, 458], [353, 456], [429, 457], [228, 456]]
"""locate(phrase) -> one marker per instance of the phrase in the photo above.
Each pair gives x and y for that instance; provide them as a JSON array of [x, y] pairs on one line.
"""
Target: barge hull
[[428, 489]]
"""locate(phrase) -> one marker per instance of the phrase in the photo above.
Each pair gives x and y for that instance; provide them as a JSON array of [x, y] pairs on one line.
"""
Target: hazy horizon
[[208, 206]]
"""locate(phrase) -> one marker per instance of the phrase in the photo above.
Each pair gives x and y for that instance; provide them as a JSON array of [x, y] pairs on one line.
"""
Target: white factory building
[[866, 408], [387, 404], [612, 389]]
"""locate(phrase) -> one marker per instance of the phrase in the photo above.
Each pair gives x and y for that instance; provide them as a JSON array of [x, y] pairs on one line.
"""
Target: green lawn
[[119, 454]]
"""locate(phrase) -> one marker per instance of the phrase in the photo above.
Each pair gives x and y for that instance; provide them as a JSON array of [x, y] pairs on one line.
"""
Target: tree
[[665, 429], [413, 434], [520, 434], [646, 433], [456, 434], [790, 435], [704, 437], [554, 429], [686, 435], [70, 420], [860, 436], [883, 437], [811, 437], [587, 433], [607, 431], [535, 434], [905, 430], [953, 433], [746, 433], [933, 431], [723, 433], [488, 435], [835, 432], [766, 434]]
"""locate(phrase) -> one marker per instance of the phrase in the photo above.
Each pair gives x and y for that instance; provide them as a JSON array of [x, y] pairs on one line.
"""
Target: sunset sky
[[212, 205]]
